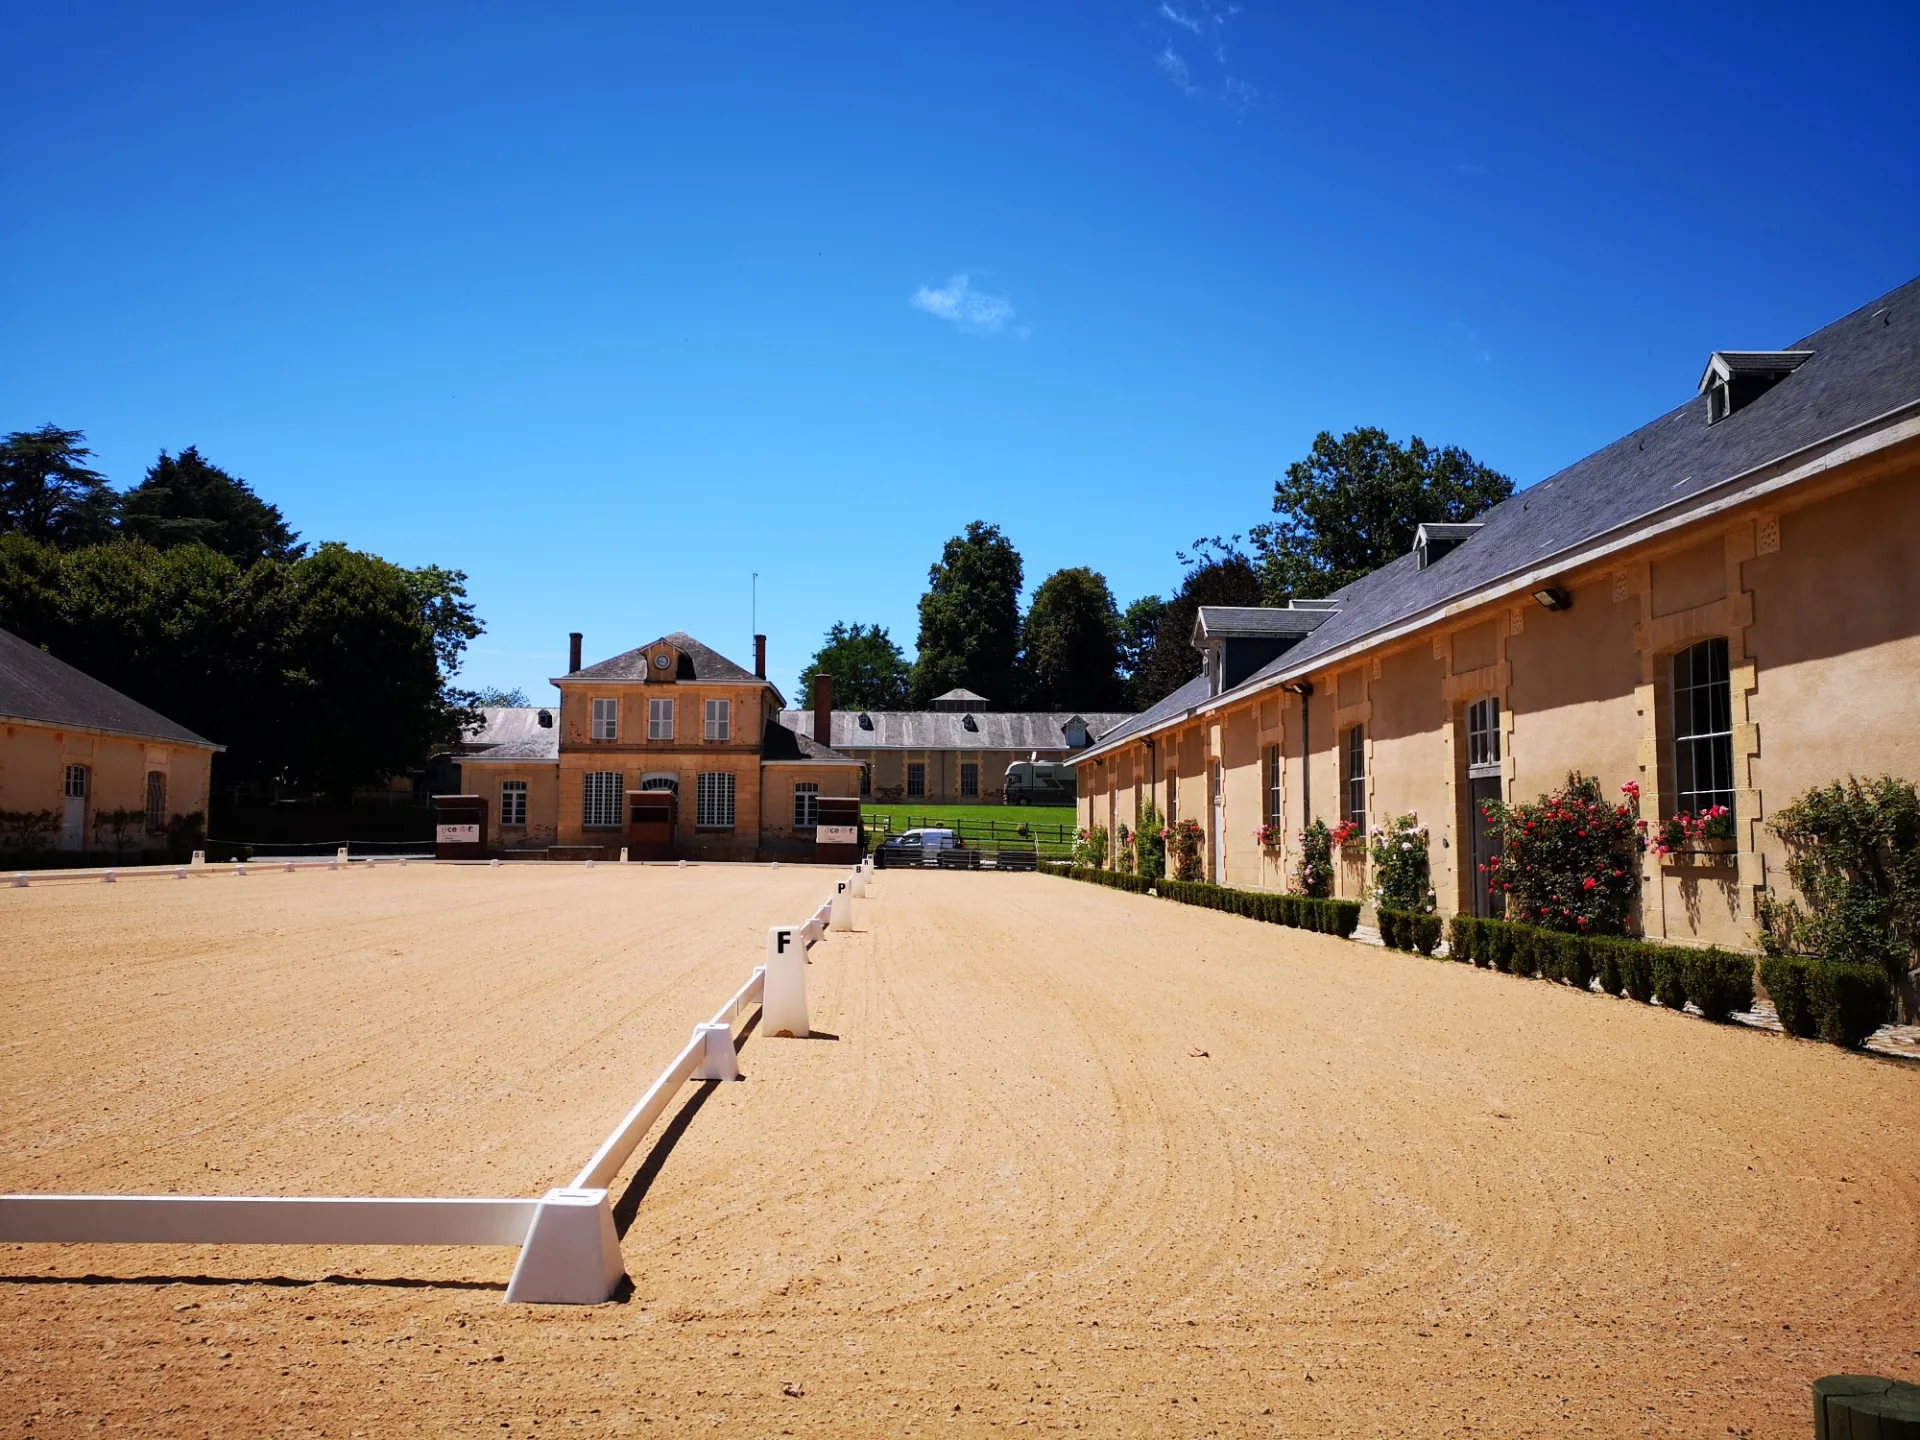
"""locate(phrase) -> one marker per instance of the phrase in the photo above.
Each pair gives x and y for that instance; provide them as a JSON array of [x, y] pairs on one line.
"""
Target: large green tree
[[322, 673], [1139, 629], [48, 492], [1353, 504], [184, 499], [869, 671], [1218, 573], [970, 619], [1070, 644]]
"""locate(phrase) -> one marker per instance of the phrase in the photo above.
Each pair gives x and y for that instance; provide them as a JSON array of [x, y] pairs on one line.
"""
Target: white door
[[1219, 828], [73, 830]]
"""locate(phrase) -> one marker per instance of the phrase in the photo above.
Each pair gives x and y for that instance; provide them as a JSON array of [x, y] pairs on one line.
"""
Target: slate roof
[[947, 730], [966, 695], [1193, 693], [513, 732], [1864, 366], [707, 664], [783, 742], [35, 686]]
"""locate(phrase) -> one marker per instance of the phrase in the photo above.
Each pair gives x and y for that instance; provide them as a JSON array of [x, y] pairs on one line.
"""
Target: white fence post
[[783, 1004], [717, 1060], [199, 857], [859, 882], [572, 1255]]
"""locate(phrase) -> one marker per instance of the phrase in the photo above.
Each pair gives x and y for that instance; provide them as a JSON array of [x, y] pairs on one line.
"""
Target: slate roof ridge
[[39, 687], [709, 665]]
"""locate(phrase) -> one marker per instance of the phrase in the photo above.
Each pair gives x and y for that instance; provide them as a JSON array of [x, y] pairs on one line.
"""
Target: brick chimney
[[759, 657], [823, 708], [573, 652]]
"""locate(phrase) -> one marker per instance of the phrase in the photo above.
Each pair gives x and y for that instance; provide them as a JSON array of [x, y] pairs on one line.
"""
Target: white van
[[1036, 782]]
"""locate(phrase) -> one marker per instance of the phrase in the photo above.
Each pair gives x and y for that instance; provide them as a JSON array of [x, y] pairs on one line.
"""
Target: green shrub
[[1636, 971], [1719, 983], [1462, 932], [1669, 975], [1424, 933], [1573, 959], [1499, 938], [1851, 1001], [1393, 929], [1789, 982], [1526, 951], [1605, 953], [1853, 851]]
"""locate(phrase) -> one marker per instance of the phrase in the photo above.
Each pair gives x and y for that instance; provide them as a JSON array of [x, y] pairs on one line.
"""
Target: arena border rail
[[569, 1251]]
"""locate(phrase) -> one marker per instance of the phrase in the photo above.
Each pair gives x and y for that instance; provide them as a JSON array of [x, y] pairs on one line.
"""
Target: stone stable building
[[672, 718], [74, 751], [955, 753], [1723, 607]]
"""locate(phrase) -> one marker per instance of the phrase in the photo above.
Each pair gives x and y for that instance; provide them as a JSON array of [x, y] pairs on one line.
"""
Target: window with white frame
[[1356, 775], [1273, 784], [969, 782], [1703, 727], [660, 719], [713, 801], [806, 804], [76, 782], [606, 719], [719, 719], [600, 803], [156, 801], [866, 779], [916, 780], [1483, 735], [513, 804]]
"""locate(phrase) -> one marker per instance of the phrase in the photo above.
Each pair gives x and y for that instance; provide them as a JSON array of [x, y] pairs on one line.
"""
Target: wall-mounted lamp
[[1552, 597], [1298, 687]]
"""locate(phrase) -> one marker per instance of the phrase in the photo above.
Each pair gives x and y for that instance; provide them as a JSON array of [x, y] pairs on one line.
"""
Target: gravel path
[[1071, 1159]]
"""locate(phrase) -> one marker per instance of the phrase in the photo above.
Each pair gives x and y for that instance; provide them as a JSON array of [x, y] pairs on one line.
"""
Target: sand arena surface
[[1394, 1196]]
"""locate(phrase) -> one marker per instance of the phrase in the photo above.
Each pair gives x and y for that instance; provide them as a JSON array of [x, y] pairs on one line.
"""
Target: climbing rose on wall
[[1570, 862]]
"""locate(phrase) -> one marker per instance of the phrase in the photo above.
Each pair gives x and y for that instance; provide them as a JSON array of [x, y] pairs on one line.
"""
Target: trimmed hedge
[[1827, 1000], [1330, 917], [1719, 982], [1410, 930]]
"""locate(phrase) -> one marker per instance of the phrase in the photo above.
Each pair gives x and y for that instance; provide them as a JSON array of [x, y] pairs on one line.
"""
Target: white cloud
[[975, 312], [1175, 69], [1179, 17]]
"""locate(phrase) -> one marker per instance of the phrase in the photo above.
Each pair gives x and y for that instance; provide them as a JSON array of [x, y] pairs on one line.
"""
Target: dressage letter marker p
[[783, 1004]]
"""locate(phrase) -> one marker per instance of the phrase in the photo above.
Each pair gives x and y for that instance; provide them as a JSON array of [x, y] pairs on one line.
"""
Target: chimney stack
[[823, 708], [573, 652], [759, 657]]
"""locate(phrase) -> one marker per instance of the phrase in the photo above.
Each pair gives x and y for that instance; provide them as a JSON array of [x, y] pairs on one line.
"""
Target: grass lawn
[[1052, 825]]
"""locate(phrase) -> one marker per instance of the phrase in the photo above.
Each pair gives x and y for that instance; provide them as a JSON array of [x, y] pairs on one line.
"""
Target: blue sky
[[613, 306]]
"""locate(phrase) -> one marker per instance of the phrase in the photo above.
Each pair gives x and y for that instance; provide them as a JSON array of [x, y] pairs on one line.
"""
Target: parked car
[[915, 847], [1035, 782]]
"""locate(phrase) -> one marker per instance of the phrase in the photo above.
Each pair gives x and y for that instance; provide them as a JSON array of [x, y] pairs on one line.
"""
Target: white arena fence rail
[[569, 1252]]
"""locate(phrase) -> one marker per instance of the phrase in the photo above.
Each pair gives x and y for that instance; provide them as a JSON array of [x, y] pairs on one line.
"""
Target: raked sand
[[1063, 1159]]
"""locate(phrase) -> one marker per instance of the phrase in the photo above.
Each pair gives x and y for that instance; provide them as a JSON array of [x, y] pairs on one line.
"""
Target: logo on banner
[[457, 834], [836, 835]]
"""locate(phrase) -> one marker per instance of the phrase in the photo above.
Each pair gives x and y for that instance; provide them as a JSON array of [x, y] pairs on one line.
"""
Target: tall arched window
[[1702, 727]]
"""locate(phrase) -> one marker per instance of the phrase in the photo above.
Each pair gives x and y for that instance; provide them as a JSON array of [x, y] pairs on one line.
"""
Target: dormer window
[[1734, 379], [967, 722], [1077, 737], [866, 721], [545, 719], [1435, 539]]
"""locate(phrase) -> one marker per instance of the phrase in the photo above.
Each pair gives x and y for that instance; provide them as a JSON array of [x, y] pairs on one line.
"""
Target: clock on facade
[[662, 661]]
